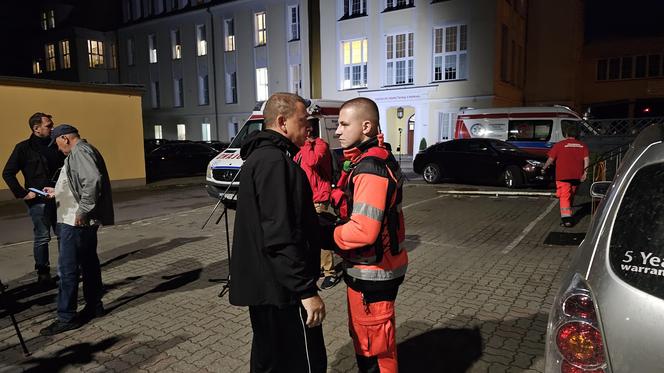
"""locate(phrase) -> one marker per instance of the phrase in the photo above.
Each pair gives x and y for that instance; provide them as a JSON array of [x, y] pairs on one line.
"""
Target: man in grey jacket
[[83, 199]]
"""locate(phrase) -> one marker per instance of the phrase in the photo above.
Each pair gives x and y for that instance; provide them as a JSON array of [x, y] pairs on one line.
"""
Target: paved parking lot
[[476, 296]]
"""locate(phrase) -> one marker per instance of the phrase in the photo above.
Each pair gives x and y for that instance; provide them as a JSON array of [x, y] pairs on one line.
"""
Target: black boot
[[44, 276]]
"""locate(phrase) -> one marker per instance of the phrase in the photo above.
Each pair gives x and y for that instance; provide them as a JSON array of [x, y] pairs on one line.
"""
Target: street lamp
[[400, 112]]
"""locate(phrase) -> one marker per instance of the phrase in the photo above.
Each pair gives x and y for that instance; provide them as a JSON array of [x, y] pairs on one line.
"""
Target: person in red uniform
[[369, 238], [316, 160], [572, 159]]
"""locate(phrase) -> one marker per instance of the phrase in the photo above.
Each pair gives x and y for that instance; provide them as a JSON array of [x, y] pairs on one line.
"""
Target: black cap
[[60, 130]]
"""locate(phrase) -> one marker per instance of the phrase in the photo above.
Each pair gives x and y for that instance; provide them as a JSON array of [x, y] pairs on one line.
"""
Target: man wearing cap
[[83, 198], [38, 163]]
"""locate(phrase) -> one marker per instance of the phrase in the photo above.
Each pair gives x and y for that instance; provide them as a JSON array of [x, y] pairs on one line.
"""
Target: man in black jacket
[[38, 163], [276, 251]]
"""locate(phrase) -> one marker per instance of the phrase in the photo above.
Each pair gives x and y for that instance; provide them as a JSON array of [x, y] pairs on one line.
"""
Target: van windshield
[[249, 127]]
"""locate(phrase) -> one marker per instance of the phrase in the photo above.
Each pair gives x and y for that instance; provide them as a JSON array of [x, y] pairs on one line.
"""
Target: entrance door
[[411, 134]]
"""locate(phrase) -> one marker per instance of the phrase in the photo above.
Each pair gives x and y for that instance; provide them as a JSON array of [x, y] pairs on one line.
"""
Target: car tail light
[[574, 342], [460, 131], [580, 344]]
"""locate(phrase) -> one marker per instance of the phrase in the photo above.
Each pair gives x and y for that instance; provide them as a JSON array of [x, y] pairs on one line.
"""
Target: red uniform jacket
[[315, 159]]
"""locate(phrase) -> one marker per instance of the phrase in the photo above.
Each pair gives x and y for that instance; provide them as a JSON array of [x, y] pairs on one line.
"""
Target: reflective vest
[[368, 199]]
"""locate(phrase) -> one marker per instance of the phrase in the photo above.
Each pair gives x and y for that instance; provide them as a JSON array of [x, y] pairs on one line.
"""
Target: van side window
[[530, 130]]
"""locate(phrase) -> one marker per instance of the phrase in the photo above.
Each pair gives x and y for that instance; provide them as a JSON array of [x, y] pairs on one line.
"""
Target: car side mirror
[[599, 188]]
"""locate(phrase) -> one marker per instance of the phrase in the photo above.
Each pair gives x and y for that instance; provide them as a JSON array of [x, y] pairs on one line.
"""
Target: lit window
[[205, 132], [51, 19], [293, 22], [130, 51], [50, 57], [231, 87], [178, 93], [158, 134], [36, 67], [95, 54], [450, 60], [154, 88], [201, 40], [260, 28], [295, 79], [44, 21], [229, 35], [203, 90], [354, 54], [176, 45], [152, 48], [353, 8], [400, 60], [65, 55], [182, 131], [261, 84]]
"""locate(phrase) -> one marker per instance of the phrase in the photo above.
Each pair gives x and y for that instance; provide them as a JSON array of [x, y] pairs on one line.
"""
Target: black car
[[178, 159], [484, 161]]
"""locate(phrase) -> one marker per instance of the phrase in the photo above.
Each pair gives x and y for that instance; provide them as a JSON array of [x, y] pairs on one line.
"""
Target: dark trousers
[[283, 343], [43, 221], [78, 249]]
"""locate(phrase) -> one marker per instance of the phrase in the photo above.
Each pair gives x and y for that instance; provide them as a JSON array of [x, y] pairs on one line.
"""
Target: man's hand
[[584, 176], [315, 310], [50, 191], [30, 195], [80, 221]]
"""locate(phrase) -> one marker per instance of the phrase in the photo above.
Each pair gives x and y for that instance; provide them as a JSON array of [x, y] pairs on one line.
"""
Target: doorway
[[411, 135]]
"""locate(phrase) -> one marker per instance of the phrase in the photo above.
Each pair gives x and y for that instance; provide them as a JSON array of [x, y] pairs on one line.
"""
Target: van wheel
[[431, 173], [512, 177]]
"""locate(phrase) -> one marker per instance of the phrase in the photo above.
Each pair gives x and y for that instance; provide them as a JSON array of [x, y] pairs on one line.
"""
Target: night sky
[[606, 19]]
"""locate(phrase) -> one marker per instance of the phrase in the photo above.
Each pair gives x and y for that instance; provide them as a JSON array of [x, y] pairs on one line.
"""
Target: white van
[[534, 129], [221, 179]]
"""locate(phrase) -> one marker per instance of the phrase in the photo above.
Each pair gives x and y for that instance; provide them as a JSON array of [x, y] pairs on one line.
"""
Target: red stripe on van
[[329, 111], [519, 115], [255, 117]]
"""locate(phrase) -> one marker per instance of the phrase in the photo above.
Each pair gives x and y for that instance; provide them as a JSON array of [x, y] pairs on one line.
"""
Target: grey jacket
[[89, 183]]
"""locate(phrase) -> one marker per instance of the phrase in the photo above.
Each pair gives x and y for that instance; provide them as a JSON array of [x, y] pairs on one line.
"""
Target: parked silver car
[[609, 313]]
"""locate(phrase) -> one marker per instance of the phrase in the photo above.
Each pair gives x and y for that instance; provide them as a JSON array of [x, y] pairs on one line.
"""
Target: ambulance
[[534, 129], [222, 177]]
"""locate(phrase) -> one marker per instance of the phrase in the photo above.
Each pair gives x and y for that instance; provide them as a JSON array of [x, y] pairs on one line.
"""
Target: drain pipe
[[214, 73]]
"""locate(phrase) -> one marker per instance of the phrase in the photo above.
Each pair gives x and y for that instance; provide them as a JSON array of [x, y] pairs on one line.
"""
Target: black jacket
[[36, 161], [276, 249]]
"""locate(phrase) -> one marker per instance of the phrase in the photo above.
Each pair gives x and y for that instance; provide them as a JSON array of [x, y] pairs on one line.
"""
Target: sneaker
[[329, 282], [58, 327]]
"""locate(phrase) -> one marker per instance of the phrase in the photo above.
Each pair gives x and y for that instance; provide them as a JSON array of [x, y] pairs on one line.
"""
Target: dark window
[[614, 68], [640, 70], [626, 69], [477, 147], [248, 128], [636, 249], [456, 146], [530, 130], [601, 69], [654, 64]]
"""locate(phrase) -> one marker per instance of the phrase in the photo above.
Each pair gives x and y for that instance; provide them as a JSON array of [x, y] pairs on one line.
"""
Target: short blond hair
[[280, 103], [366, 106]]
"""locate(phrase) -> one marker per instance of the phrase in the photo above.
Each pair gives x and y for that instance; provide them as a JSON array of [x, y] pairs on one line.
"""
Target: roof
[[127, 89]]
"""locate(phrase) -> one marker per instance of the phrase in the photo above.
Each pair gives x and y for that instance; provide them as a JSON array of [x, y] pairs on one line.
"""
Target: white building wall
[[427, 97], [276, 55]]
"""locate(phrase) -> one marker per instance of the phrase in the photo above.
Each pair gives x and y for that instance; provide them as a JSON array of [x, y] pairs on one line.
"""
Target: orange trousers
[[373, 330], [565, 192]]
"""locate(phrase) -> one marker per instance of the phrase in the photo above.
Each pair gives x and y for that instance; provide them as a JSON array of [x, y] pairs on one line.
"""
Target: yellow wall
[[112, 122]]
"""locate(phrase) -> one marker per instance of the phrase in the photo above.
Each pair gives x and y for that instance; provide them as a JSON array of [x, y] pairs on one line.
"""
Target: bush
[[423, 144]]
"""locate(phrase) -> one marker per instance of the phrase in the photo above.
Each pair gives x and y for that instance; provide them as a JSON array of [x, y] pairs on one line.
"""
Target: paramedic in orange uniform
[[369, 238], [572, 159]]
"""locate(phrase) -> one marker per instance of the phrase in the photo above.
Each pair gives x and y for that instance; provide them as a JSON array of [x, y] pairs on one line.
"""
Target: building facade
[[205, 64], [422, 60], [75, 41]]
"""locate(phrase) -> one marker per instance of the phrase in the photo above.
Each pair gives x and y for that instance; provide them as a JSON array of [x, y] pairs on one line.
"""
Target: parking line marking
[[499, 193], [528, 228], [421, 202]]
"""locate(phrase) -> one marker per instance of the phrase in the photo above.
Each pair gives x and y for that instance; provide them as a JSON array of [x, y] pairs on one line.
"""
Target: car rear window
[[530, 130], [636, 250]]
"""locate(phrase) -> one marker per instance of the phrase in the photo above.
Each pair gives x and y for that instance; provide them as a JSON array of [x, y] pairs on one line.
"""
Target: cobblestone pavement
[[475, 298]]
